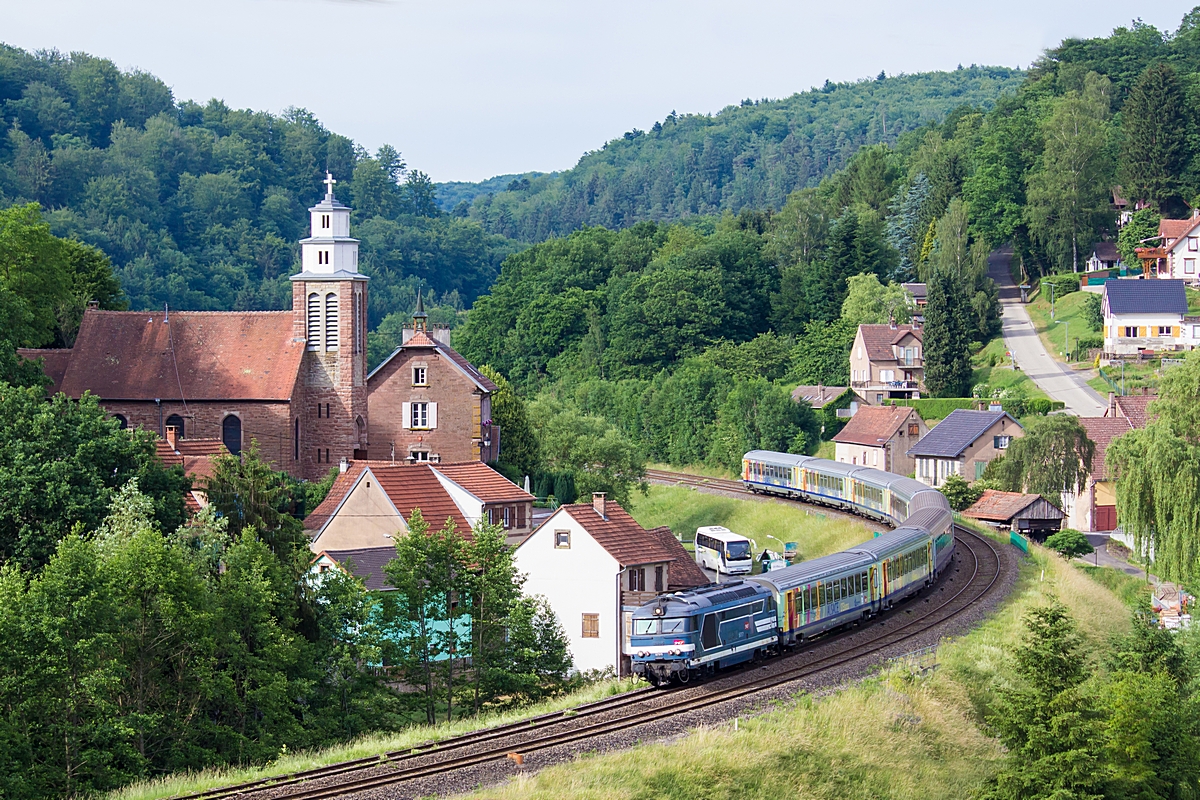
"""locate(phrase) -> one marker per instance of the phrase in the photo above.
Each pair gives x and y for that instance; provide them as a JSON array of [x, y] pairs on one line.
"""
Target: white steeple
[[329, 250]]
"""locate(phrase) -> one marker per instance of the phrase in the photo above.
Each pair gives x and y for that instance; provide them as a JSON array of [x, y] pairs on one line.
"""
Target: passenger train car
[[696, 632]]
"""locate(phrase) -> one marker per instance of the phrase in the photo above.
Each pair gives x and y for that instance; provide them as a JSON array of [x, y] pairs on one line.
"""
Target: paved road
[[1021, 338]]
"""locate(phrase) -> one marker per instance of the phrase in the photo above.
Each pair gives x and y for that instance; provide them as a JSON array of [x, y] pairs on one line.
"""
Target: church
[[296, 382]]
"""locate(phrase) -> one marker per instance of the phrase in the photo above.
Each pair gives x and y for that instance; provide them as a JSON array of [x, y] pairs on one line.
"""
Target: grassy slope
[[924, 729], [684, 510], [1068, 310], [186, 783], [1001, 376]]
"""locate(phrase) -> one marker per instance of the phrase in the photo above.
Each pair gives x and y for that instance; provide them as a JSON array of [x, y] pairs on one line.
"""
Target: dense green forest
[[200, 206], [748, 156]]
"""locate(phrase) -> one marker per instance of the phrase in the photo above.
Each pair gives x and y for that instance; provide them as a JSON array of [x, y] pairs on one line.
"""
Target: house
[[371, 502], [1095, 508], [365, 563], [1133, 407], [1104, 256], [1177, 252], [196, 458], [919, 292], [595, 565], [425, 395], [886, 363], [1146, 315], [295, 381], [880, 436], [1028, 514], [1121, 206], [963, 444]]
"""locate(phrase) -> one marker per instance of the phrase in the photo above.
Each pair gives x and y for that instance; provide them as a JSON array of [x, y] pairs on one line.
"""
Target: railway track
[[976, 570], [699, 481]]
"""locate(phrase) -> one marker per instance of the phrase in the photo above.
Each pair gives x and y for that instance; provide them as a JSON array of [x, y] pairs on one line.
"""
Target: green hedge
[[939, 408], [1063, 284]]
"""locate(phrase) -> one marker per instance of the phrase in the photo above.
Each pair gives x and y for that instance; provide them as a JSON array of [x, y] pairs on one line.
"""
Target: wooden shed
[[1028, 514]]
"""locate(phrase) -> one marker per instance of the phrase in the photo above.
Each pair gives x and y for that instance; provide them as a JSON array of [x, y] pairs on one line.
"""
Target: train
[[694, 633]]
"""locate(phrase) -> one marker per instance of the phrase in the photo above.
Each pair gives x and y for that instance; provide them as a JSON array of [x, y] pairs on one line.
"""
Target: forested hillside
[[748, 156], [200, 206], [679, 333]]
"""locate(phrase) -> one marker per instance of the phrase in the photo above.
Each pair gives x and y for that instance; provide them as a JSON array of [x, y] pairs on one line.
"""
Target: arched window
[[296, 440], [360, 427], [231, 434], [175, 421], [331, 321], [314, 321], [120, 418]]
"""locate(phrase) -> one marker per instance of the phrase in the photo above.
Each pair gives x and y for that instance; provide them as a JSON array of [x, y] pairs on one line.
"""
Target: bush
[[1034, 405], [1089, 341], [1093, 312], [1069, 543], [936, 407], [959, 493], [1063, 285]]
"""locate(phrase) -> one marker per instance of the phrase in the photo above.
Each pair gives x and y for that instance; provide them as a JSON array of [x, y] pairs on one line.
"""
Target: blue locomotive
[[678, 636]]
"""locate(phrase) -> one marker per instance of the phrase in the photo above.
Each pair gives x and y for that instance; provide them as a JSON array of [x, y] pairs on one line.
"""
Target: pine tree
[[904, 226], [947, 360], [1154, 121]]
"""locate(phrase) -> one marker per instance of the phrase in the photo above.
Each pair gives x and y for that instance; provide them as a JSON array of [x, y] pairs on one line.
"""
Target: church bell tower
[[329, 307]]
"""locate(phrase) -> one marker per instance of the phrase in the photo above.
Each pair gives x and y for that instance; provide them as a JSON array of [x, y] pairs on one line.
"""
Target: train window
[[644, 627], [675, 625]]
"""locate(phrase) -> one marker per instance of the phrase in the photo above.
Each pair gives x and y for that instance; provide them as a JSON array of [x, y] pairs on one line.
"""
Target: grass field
[[685, 509], [1002, 375], [187, 783], [1068, 313], [924, 727]]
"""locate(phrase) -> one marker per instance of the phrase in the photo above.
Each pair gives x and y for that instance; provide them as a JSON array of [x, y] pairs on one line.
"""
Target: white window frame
[[1189, 266], [418, 416], [1193, 243], [420, 376], [562, 540]]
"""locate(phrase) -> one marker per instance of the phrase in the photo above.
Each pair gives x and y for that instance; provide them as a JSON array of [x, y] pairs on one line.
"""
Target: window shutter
[[1141, 330], [433, 415], [406, 416], [1175, 331]]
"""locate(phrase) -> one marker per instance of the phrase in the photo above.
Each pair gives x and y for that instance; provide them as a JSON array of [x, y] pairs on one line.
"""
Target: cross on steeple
[[329, 182]]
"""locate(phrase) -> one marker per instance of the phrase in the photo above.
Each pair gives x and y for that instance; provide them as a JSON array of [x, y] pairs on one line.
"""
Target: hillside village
[[283, 488]]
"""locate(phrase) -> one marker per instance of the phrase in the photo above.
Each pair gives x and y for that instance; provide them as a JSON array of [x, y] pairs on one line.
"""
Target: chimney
[[599, 504], [995, 407], [343, 465], [1112, 404], [93, 305], [172, 432]]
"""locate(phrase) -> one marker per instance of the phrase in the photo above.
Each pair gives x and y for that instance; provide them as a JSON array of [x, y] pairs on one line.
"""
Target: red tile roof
[[1102, 430], [484, 482], [683, 572], [878, 339], [1004, 506], [1172, 229], [127, 355], [1133, 407], [620, 534], [871, 424], [54, 362], [408, 486]]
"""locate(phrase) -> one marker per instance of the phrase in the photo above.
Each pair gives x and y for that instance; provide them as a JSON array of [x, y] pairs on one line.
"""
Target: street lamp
[[1051, 301], [1066, 339]]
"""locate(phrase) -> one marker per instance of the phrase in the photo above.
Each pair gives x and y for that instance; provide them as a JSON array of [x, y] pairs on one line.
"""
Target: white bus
[[722, 550]]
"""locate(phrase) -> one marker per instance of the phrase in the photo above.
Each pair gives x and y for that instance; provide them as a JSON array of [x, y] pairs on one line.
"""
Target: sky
[[467, 89]]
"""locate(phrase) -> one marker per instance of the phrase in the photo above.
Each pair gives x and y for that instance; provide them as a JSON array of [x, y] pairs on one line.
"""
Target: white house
[[1146, 315], [595, 564], [1104, 256]]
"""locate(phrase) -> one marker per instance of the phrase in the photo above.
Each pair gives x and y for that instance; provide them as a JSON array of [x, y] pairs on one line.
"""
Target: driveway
[[1020, 337]]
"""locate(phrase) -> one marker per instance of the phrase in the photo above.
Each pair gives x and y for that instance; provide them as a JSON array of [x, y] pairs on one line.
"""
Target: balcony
[[886, 385], [631, 599]]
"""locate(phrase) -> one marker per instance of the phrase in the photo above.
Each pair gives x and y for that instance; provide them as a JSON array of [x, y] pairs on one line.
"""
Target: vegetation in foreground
[[374, 744], [911, 732]]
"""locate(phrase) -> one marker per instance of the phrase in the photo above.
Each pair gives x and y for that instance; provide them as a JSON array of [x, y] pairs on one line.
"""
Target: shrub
[[959, 493], [1069, 543]]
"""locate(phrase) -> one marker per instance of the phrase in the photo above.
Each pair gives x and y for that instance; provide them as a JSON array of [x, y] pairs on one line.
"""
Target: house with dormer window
[[887, 363]]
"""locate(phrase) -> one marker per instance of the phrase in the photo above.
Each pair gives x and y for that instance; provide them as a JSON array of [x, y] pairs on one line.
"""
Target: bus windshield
[[737, 551]]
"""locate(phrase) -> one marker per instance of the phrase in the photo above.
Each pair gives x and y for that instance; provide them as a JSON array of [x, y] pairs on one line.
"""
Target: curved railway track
[[977, 568]]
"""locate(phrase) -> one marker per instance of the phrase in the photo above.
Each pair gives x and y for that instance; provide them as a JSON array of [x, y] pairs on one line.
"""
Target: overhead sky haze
[[468, 90]]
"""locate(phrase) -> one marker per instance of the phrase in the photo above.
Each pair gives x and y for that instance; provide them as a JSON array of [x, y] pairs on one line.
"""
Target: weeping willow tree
[[1158, 476], [1053, 458]]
